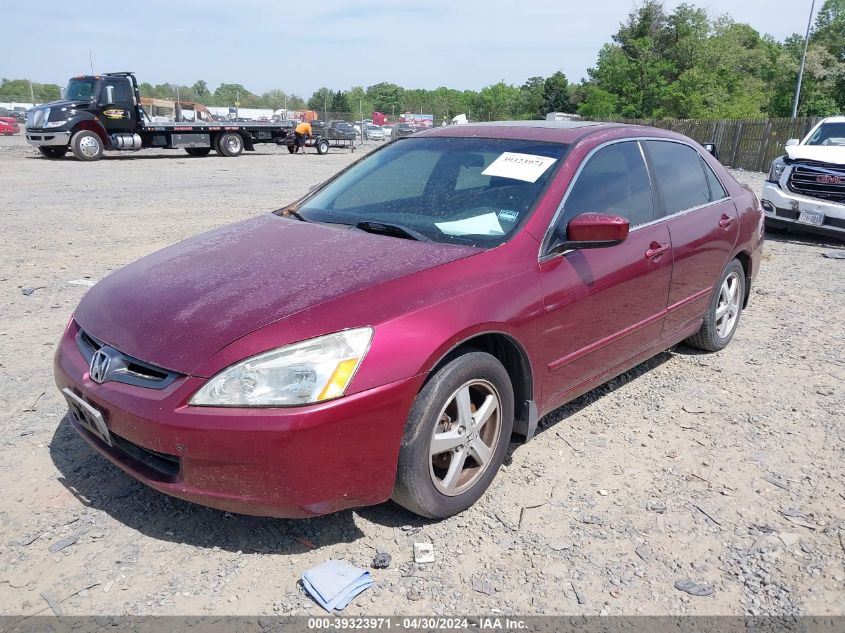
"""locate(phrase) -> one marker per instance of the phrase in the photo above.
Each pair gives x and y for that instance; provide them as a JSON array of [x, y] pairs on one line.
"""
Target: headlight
[[776, 170], [311, 371], [55, 123]]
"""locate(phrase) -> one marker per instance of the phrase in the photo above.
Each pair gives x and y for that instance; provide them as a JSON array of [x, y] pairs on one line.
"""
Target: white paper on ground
[[527, 167], [487, 224]]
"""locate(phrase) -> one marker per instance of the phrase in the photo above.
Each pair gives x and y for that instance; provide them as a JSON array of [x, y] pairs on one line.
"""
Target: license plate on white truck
[[811, 217]]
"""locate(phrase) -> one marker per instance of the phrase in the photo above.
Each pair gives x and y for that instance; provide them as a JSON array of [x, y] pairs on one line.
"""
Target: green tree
[[532, 98], [321, 100], [200, 89], [556, 96], [339, 103]]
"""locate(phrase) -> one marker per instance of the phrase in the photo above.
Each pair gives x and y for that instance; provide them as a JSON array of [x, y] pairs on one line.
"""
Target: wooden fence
[[750, 144]]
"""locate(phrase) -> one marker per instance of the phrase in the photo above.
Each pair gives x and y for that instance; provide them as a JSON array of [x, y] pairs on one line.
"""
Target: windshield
[[80, 89], [828, 134], [472, 191]]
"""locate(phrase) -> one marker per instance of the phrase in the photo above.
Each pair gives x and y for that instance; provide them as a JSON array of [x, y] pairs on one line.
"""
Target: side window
[[400, 179], [679, 175], [615, 180], [717, 191], [115, 92]]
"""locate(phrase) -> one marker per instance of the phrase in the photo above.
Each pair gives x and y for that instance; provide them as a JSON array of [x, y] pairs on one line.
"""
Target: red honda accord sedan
[[385, 336]]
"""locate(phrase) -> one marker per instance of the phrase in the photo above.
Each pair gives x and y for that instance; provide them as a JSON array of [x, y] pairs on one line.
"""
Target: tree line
[[681, 64]]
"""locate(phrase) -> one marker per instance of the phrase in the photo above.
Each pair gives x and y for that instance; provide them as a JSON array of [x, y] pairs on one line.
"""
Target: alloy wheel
[[727, 309]]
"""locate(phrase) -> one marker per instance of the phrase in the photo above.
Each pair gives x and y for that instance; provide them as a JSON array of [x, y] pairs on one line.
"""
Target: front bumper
[[46, 138], [782, 208], [294, 462]]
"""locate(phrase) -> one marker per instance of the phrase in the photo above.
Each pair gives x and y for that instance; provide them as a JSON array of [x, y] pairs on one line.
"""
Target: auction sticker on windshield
[[527, 167]]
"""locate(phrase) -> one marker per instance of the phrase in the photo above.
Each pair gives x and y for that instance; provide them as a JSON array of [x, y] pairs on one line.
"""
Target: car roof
[[834, 119], [557, 131]]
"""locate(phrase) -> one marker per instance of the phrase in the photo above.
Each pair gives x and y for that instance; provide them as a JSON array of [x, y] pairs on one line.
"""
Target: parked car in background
[[403, 129], [386, 334], [9, 126], [341, 130], [805, 189], [388, 131], [374, 133]]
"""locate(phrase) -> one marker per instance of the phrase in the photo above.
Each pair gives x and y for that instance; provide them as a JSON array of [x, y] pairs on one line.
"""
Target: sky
[[299, 47]]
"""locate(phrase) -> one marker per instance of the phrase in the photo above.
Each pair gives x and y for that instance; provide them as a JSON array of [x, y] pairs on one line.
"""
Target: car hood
[[177, 307], [821, 153]]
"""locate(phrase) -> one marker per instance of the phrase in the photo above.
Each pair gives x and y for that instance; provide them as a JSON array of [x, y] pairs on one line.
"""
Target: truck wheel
[[198, 151], [86, 145], [322, 146], [53, 152], [230, 144]]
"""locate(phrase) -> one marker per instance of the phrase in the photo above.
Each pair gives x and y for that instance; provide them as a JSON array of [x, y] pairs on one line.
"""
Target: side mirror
[[593, 230], [792, 142], [711, 149]]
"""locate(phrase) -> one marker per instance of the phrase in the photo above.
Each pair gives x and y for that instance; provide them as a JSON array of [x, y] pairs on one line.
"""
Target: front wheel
[[54, 151], [86, 145], [723, 311], [322, 146], [198, 151], [230, 144], [456, 436]]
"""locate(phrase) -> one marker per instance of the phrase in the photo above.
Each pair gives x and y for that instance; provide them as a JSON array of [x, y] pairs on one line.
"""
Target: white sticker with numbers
[[527, 167]]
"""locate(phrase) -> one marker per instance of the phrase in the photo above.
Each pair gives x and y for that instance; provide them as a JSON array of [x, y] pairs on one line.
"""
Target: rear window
[[679, 174], [472, 191]]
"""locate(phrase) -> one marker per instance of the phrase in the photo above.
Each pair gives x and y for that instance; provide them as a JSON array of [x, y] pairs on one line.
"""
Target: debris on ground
[[423, 553], [381, 560], [63, 543], [335, 583], [693, 588]]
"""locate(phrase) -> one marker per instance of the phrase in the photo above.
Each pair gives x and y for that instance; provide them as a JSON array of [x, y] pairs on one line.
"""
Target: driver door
[[117, 105], [603, 306]]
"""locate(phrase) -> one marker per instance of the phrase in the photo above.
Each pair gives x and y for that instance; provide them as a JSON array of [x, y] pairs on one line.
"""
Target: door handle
[[655, 250], [725, 221]]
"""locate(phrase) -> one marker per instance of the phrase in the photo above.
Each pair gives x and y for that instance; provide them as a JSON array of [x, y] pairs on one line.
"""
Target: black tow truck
[[103, 112]]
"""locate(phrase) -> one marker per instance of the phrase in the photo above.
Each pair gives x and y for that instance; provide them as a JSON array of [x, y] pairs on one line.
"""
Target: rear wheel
[[723, 312], [230, 144], [86, 145], [198, 151], [53, 152], [457, 433], [322, 146]]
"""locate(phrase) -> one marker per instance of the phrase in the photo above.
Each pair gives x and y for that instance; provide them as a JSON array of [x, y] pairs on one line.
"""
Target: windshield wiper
[[396, 230], [290, 213]]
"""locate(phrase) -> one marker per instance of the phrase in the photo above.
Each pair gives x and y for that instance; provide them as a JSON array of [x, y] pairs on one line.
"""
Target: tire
[[230, 144], [291, 148], [86, 146], [53, 151], [432, 485], [198, 151], [322, 146], [718, 330]]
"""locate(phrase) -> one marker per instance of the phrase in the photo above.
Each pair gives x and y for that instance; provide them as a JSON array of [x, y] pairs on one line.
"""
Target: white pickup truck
[[806, 188]]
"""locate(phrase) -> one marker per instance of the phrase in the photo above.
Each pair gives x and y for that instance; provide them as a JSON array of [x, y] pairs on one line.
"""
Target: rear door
[[703, 225], [604, 306]]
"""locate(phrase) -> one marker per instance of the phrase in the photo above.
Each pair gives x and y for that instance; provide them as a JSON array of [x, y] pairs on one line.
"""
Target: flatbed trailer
[[103, 112]]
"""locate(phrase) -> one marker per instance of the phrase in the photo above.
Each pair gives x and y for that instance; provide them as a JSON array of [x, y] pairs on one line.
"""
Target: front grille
[[819, 180], [124, 368], [37, 117]]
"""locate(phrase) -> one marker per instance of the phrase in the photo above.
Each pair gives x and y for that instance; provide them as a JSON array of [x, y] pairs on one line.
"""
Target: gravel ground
[[723, 469]]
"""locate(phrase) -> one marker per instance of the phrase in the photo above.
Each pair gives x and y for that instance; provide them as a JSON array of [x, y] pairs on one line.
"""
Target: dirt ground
[[725, 469]]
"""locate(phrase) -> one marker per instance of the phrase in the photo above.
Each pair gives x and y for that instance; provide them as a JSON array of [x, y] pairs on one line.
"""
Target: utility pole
[[91, 61], [31, 92], [803, 59], [361, 118]]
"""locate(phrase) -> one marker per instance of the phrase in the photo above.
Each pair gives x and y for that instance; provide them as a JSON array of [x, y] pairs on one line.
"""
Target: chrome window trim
[[544, 243]]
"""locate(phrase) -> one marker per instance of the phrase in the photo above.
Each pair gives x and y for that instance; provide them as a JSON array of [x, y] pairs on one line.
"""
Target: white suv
[[806, 188]]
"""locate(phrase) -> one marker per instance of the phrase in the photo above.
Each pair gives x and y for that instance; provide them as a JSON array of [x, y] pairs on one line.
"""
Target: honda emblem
[[99, 368]]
